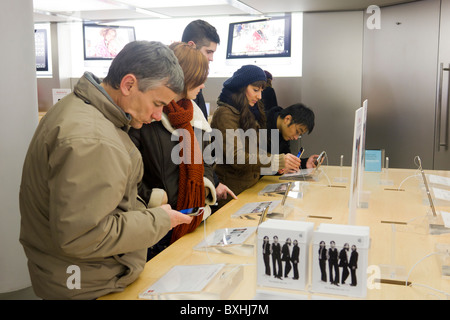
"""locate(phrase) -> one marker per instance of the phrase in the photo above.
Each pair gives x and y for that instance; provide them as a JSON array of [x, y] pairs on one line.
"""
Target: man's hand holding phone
[[193, 212], [176, 217]]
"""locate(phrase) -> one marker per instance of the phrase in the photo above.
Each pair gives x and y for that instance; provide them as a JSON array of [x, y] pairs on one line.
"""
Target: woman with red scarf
[[174, 170]]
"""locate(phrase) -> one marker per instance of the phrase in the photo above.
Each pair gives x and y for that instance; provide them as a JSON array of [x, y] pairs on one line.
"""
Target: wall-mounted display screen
[[102, 42], [41, 47], [265, 38]]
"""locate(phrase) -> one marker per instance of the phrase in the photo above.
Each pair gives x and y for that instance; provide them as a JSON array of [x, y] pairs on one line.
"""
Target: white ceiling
[[113, 10]]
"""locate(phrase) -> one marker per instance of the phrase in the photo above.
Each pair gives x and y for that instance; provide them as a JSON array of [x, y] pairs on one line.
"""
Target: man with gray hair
[[84, 230]]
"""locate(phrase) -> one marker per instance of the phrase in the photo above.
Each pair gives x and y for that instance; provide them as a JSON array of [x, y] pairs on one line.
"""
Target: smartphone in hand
[[195, 211], [319, 160]]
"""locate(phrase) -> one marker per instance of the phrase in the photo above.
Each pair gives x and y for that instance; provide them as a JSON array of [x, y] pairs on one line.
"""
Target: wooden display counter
[[397, 215]]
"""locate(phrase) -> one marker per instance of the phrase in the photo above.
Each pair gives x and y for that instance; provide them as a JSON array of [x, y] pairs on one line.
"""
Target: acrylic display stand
[[302, 175], [341, 179], [385, 180], [393, 273], [436, 225], [443, 250], [363, 199], [253, 210], [294, 189], [196, 282], [440, 196], [234, 241]]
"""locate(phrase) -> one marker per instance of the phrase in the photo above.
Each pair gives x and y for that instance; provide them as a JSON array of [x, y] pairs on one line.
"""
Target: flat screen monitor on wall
[[41, 47], [42, 42], [102, 42], [265, 38]]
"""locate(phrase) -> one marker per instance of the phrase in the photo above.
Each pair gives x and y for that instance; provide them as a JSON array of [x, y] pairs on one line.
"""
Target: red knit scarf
[[191, 188]]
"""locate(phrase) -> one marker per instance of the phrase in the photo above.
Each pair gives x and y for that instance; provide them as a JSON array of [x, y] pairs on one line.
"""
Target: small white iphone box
[[340, 259], [283, 253]]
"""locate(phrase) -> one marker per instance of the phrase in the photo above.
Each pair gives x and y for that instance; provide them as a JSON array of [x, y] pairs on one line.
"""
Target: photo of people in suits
[[341, 264], [276, 258], [340, 260], [283, 254], [295, 255], [281, 260]]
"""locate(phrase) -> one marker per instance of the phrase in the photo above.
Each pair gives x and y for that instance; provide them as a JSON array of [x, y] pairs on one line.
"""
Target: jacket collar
[[198, 121], [224, 104], [89, 89]]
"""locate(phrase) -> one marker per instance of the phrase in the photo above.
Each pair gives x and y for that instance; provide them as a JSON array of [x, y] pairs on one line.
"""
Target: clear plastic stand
[[385, 181], [436, 224], [443, 250], [341, 179], [234, 241], [254, 210], [302, 175], [363, 199], [393, 273], [294, 189], [217, 283]]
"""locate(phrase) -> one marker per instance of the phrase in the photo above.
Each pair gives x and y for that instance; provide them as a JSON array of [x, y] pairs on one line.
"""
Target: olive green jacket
[[83, 229], [241, 168]]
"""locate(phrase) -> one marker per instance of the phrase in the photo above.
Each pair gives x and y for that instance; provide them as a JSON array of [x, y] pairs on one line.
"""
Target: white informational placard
[[182, 279], [434, 179], [441, 194], [255, 208], [446, 218], [356, 165], [59, 93], [362, 150], [227, 237]]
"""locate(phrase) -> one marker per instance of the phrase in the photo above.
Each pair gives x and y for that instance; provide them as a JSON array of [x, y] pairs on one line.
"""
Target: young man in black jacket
[[291, 122], [205, 38]]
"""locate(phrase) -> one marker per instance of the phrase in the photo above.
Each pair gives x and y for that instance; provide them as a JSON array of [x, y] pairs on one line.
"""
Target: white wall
[[17, 124]]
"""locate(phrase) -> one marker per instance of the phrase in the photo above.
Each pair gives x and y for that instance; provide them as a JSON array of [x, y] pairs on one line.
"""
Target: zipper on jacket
[[162, 157]]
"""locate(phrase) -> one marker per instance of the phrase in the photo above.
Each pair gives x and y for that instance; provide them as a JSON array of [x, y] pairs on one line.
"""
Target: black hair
[[198, 31], [300, 115]]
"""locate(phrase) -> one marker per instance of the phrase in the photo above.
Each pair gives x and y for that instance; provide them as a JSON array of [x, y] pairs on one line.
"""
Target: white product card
[[227, 237], [255, 208], [179, 279], [434, 179], [59, 93], [441, 194], [446, 218]]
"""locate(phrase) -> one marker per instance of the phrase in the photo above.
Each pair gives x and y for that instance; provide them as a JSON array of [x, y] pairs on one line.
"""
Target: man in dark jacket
[[295, 258], [205, 38], [353, 265]]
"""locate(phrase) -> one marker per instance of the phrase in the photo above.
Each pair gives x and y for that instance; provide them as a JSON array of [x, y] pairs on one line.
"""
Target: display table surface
[[396, 214]]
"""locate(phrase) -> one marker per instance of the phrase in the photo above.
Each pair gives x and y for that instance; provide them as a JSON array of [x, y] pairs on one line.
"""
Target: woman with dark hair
[[240, 117]]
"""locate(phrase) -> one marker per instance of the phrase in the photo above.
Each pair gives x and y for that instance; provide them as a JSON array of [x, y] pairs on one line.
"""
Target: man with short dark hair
[[291, 122], [203, 35], [84, 230]]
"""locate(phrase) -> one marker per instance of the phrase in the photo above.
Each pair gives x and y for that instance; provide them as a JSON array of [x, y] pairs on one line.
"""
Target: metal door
[[400, 81], [442, 150]]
